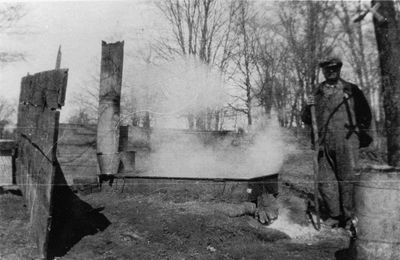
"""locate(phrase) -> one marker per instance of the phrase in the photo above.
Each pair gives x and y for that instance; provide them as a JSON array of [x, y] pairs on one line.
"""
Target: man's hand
[[311, 100]]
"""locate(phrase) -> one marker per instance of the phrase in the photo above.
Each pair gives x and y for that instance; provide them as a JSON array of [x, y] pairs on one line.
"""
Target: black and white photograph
[[200, 129]]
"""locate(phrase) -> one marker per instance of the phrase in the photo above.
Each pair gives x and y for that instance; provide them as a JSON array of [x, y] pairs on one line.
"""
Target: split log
[[109, 107], [41, 97]]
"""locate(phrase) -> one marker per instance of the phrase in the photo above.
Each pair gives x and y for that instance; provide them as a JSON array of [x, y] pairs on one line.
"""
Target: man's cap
[[331, 62]]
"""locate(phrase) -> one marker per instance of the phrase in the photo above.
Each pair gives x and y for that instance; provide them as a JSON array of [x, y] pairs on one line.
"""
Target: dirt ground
[[167, 225], [176, 225]]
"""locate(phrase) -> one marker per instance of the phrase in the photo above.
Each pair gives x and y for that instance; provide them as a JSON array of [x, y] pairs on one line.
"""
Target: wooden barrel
[[377, 198], [6, 162]]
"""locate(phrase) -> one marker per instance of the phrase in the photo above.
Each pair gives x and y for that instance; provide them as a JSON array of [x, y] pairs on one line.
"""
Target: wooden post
[[109, 107], [316, 166], [58, 60], [41, 97], [388, 42]]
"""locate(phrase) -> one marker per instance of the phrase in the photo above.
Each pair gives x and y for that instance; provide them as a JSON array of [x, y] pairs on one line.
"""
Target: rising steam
[[183, 154], [187, 85]]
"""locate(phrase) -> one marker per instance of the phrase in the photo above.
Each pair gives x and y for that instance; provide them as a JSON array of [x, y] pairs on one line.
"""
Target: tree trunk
[[200, 122], [217, 118], [190, 119], [356, 44], [209, 119], [370, 89], [311, 40], [388, 42], [246, 56], [267, 96]]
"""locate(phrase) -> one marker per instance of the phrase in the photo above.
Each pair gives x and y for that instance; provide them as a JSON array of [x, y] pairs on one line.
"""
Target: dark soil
[[172, 226]]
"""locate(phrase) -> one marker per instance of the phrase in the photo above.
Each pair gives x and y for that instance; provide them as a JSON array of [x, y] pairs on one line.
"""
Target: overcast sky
[[79, 27]]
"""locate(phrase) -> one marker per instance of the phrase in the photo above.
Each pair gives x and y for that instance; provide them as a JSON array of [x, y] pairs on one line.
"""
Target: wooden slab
[[41, 97], [109, 106]]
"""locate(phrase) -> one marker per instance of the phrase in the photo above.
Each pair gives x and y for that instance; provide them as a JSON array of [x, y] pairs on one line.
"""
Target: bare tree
[[7, 113], [7, 109], [87, 99], [270, 55], [355, 42], [10, 15], [200, 28], [245, 60], [307, 29], [138, 103], [81, 117]]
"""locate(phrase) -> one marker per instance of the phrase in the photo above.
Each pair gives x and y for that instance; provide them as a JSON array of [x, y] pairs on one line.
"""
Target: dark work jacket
[[361, 110]]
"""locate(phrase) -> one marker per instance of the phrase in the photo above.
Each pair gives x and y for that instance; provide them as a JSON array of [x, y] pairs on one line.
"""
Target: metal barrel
[[377, 198]]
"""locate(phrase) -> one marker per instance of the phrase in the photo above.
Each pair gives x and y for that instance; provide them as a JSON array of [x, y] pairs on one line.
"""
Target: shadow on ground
[[72, 218], [348, 253]]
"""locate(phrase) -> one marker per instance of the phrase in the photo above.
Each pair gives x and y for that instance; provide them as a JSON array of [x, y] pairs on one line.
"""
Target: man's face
[[332, 73]]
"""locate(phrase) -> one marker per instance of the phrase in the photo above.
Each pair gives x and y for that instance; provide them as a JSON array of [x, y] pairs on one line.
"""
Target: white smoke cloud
[[257, 154]]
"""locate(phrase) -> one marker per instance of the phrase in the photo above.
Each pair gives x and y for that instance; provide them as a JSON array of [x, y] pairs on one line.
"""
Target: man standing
[[342, 116]]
